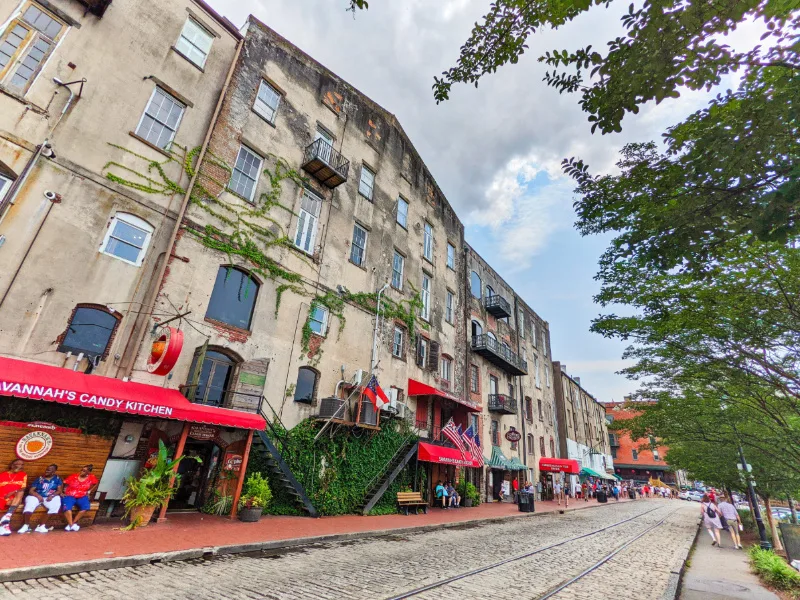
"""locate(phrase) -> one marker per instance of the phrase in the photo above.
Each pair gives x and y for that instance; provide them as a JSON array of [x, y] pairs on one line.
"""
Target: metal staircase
[[267, 448], [381, 482]]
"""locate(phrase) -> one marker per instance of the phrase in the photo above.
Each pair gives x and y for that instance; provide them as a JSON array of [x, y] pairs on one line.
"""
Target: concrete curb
[[102, 564], [678, 569]]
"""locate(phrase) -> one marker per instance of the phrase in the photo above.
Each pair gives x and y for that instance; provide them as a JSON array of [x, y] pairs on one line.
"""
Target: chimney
[[577, 380], [563, 368]]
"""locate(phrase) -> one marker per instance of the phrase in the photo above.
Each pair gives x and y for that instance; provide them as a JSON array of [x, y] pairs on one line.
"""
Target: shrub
[[774, 570], [467, 490], [256, 492]]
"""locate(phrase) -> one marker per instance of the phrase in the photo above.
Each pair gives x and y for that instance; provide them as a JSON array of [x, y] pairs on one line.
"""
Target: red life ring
[[165, 352]]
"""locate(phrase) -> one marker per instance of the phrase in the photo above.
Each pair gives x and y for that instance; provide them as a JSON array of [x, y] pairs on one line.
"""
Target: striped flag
[[453, 434], [469, 441], [479, 455]]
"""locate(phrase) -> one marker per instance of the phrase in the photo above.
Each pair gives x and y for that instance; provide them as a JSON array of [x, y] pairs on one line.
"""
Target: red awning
[[445, 456], [417, 388], [23, 379], [559, 465]]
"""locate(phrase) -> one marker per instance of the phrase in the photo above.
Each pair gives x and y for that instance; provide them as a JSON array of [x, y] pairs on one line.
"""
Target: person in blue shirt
[[46, 491], [441, 494]]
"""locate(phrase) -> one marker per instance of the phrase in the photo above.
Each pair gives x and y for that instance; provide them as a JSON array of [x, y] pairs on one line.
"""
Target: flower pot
[[250, 515], [468, 502], [141, 515]]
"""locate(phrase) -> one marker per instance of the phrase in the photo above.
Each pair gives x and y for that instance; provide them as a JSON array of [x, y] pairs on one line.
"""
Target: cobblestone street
[[394, 565]]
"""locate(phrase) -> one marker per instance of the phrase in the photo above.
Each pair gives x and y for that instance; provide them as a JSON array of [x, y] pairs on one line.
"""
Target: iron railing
[[224, 398], [497, 306], [323, 151], [502, 404], [501, 355]]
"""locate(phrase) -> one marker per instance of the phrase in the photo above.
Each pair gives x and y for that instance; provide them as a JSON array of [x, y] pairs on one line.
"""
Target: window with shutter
[[422, 352], [433, 357]]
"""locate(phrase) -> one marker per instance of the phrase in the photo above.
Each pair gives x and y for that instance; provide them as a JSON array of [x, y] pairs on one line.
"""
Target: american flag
[[453, 434], [478, 451], [469, 441]]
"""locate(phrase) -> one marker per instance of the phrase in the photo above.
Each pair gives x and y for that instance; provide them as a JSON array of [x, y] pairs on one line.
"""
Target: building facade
[[582, 427]]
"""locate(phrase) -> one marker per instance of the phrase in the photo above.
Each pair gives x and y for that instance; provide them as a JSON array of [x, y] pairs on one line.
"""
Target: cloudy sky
[[495, 150]]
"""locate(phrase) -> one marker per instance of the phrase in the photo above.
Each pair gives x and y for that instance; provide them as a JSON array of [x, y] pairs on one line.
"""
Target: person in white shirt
[[731, 515]]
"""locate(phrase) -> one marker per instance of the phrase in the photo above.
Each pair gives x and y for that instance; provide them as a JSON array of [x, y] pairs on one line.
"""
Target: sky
[[494, 150]]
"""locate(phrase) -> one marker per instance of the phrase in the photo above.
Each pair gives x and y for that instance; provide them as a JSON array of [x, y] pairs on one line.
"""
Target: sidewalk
[[191, 535], [716, 573]]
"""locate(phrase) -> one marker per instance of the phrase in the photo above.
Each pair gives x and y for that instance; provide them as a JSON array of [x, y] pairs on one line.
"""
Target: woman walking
[[711, 520]]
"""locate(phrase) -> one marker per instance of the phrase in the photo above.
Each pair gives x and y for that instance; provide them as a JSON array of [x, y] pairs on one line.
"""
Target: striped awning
[[515, 464], [498, 460]]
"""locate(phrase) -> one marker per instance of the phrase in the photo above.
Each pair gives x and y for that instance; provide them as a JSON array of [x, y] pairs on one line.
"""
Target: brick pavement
[[382, 567]]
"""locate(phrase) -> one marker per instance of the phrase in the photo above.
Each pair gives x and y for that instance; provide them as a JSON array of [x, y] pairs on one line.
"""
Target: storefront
[[502, 473], [138, 417], [553, 470], [443, 463]]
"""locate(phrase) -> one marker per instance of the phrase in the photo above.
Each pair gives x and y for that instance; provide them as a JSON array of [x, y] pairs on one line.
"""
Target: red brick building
[[639, 459]]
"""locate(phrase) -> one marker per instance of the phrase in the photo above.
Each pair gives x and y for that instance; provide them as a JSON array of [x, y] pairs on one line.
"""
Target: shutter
[[197, 367], [251, 378], [433, 356], [419, 352], [422, 412]]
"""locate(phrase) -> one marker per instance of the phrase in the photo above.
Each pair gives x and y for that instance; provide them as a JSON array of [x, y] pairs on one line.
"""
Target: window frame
[[307, 235], [264, 83], [183, 106], [397, 346], [246, 149], [531, 449], [634, 454], [5, 185], [133, 221], [449, 307], [521, 323], [354, 245], [314, 388], [256, 284], [446, 368], [323, 323], [472, 278], [425, 296], [62, 347], [474, 379], [371, 185], [494, 432], [427, 241], [395, 256], [203, 29], [401, 201], [451, 256]]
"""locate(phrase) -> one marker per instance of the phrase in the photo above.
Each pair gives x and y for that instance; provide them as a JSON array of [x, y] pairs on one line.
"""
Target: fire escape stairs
[[265, 446], [389, 473]]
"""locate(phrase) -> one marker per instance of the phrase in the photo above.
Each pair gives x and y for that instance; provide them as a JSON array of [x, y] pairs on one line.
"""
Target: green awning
[[516, 465], [592, 473], [617, 477], [498, 460]]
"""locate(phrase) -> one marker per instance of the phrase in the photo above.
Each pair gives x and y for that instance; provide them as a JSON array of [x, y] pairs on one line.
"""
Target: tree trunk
[[793, 509], [776, 540]]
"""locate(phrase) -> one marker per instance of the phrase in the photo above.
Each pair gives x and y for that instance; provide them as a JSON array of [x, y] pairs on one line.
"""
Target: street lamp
[[751, 490]]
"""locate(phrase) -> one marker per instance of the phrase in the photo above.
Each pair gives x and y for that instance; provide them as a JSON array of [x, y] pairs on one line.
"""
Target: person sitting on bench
[[12, 488], [45, 491], [80, 487], [455, 499], [441, 494]]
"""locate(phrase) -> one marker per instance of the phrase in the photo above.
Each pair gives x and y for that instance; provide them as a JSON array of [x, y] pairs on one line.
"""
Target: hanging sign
[[165, 351], [512, 435], [198, 431], [34, 445]]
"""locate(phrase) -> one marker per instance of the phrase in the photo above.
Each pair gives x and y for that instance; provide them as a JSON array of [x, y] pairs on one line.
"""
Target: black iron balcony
[[499, 354], [500, 403], [497, 306], [326, 164]]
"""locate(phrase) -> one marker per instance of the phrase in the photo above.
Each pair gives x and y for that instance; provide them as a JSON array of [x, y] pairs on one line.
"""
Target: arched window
[[476, 329], [530, 444], [215, 378], [127, 238], [475, 284], [90, 330], [306, 387], [541, 446], [492, 336], [552, 447], [233, 298]]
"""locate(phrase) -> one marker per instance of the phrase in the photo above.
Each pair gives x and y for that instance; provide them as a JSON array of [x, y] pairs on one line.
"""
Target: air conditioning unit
[[401, 409], [391, 407], [330, 407]]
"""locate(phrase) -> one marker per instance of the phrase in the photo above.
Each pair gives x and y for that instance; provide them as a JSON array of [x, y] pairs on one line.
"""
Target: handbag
[[710, 512]]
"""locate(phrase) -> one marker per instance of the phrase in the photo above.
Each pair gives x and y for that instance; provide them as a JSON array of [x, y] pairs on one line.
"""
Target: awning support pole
[[162, 515], [238, 493]]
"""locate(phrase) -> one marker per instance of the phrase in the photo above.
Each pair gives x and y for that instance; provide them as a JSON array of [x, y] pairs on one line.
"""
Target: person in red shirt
[[12, 487], [79, 488]]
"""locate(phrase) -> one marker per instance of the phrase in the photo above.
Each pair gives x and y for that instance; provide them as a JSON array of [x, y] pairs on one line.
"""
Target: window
[[448, 307], [552, 448], [306, 385], [536, 372], [195, 42], [635, 454], [318, 320], [267, 101], [446, 368], [541, 414], [245, 174], [127, 238], [476, 329], [398, 265], [541, 446], [427, 242], [489, 291], [161, 119], [358, 249], [530, 443], [575, 423], [474, 379], [214, 380], [655, 454], [614, 453], [492, 385], [533, 336], [307, 223], [475, 422], [521, 323], [451, 256], [546, 376], [90, 331], [402, 212], [5, 185], [425, 311], [495, 433], [233, 298], [397, 342], [475, 285], [528, 408], [367, 182], [493, 338], [422, 352], [26, 44]]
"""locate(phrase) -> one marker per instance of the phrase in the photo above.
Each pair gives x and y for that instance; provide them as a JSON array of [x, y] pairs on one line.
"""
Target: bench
[[413, 499], [40, 516]]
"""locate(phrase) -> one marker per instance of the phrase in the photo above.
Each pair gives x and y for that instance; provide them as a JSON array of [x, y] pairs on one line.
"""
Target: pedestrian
[[45, 491], [515, 486], [711, 520], [12, 488], [733, 520], [585, 491], [558, 491], [80, 487], [615, 491]]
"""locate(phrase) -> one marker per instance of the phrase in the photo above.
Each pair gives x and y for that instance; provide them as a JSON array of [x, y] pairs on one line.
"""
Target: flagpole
[[375, 332]]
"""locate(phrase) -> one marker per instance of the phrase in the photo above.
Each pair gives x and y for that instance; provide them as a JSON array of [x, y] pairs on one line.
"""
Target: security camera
[[50, 195]]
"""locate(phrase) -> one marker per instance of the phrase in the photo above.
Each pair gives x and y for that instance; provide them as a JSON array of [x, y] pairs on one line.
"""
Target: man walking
[[732, 520]]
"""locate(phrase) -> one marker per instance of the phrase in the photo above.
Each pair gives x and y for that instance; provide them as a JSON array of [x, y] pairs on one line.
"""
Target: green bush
[[774, 570], [256, 493], [468, 491]]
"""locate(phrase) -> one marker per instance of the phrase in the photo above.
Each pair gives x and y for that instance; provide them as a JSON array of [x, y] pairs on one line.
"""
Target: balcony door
[[324, 150], [492, 385]]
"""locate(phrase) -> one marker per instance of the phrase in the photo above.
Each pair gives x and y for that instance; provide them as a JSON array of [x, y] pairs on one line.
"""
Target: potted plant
[[469, 493], [256, 497], [152, 490]]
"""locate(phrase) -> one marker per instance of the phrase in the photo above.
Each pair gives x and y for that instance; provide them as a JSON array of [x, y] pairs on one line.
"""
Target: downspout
[[521, 388], [374, 363], [150, 304]]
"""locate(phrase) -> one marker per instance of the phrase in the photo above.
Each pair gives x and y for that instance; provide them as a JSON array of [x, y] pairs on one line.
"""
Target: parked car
[[782, 514], [695, 496], [684, 494]]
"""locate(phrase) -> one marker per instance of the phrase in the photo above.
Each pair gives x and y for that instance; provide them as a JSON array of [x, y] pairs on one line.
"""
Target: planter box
[[250, 515]]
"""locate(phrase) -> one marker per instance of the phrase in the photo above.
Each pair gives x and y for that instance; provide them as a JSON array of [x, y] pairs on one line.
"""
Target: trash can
[[525, 502], [602, 497]]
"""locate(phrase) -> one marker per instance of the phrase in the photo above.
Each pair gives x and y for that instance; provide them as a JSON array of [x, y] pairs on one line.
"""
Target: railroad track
[[527, 555]]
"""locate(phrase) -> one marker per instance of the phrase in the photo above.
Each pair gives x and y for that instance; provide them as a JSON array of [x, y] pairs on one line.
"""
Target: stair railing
[[335, 415], [403, 447]]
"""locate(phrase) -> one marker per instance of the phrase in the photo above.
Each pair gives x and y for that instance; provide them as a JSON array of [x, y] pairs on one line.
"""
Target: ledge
[[150, 145]]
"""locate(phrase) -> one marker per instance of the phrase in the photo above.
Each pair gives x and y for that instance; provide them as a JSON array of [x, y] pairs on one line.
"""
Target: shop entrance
[[196, 477]]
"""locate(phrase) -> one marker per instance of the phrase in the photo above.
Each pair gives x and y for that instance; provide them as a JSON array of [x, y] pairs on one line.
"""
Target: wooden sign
[[34, 445], [512, 435]]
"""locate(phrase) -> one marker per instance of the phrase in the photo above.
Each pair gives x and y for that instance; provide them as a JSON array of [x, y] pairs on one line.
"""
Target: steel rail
[[442, 582]]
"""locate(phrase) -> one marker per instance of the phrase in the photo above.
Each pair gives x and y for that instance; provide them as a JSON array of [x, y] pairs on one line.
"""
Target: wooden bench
[[413, 499], [40, 516]]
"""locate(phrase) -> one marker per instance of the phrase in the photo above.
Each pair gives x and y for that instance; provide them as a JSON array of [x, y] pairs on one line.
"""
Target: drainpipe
[[159, 279], [375, 332]]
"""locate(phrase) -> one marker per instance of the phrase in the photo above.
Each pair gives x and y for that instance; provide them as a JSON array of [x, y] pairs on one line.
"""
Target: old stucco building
[[582, 425]]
